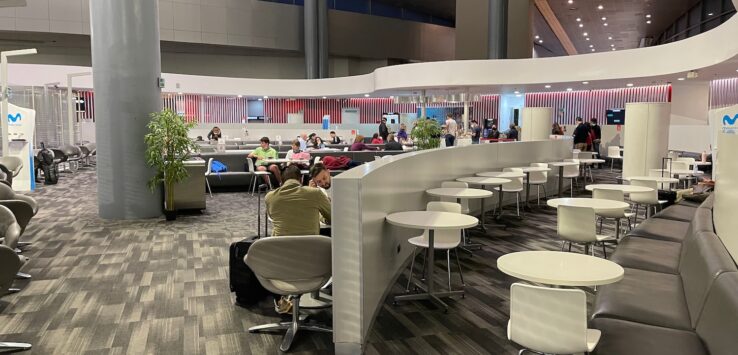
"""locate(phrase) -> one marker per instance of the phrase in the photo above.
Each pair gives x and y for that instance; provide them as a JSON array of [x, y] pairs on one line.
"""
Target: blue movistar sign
[[17, 117], [729, 124]]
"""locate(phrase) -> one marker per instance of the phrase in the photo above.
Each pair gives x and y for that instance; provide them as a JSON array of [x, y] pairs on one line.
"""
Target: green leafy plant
[[427, 134], [167, 148]]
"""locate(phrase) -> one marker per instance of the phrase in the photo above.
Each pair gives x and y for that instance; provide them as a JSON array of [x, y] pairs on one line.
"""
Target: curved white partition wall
[[725, 209], [646, 138], [536, 123], [368, 253]]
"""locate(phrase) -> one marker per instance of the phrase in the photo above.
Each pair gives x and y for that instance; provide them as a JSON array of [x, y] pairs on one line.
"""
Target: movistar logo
[[17, 117], [729, 124]]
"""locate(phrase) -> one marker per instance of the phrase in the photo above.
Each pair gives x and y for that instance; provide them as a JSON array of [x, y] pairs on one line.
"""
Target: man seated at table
[[320, 177], [334, 138], [261, 154], [392, 144], [297, 209]]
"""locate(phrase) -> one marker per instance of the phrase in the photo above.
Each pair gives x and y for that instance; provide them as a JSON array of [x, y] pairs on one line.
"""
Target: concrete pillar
[[520, 29], [126, 65], [323, 54], [465, 117], [494, 29], [536, 123], [497, 19], [646, 139], [310, 29]]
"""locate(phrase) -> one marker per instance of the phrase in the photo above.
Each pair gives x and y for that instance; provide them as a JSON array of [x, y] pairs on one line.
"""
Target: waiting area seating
[[678, 295]]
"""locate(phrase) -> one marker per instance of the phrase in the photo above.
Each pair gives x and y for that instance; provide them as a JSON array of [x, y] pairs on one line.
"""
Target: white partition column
[[646, 137], [726, 184], [536, 123]]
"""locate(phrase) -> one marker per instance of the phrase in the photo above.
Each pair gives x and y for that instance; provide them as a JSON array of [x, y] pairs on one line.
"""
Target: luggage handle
[[663, 166]]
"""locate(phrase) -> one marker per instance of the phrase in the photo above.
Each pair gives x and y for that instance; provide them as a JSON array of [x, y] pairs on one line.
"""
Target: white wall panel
[[35, 9], [186, 17], [7, 23], [65, 10], [166, 14], [32, 25], [536, 123], [65, 26], [212, 19], [646, 137], [726, 191]]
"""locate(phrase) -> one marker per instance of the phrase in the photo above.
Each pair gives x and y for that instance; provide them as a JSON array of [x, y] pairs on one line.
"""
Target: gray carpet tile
[[157, 287]]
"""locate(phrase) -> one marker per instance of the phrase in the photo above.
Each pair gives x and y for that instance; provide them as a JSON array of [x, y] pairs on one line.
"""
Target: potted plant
[[167, 148], [426, 134]]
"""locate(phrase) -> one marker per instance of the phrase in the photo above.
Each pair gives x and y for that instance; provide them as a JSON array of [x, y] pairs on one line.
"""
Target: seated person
[[513, 132], [339, 162], [359, 145], [320, 177], [317, 143], [214, 134], [297, 209], [311, 139], [266, 152], [392, 144], [296, 154], [494, 133], [376, 139], [334, 138]]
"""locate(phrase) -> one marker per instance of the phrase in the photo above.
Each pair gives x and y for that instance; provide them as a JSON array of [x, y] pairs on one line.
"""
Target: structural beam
[[545, 8]]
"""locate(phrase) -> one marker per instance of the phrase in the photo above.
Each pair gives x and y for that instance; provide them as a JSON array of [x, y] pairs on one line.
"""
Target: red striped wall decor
[[723, 93], [594, 103], [89, 112]]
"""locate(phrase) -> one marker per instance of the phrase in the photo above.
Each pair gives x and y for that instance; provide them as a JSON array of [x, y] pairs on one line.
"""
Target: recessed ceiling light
[[179, 93], [648, 16], [517, 92], [518, 95], [585, 34], [612, 45], [266, 97], [604, 18], [260, 99], [710, 14], [587, 38], [323, 97], [600, 7], [591, 46], [648, 22], [593, 49], [540, 41], [680, 79], [610, 38], [629, 85], [549, 86], [736, 70], [366, 95], [240, 96], [579, 19], [581, 25], [537, 37], [604, 24], [569, 89], [571, 1], [613, 48], [585, 82]]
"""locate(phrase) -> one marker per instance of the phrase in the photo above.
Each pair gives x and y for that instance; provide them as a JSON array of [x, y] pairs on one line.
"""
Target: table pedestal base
[[433, 297]]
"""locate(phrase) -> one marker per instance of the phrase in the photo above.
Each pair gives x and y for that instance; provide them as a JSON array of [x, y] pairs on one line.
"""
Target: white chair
[[208, 172], [614, 195], [539, 178], [515, 185], [613, 153], [456, 184], [682, 165], [257, 174], [317, 160], [571, 172], [648, 199], [550, 320], [442, 240], [345, 149], [577, 225]]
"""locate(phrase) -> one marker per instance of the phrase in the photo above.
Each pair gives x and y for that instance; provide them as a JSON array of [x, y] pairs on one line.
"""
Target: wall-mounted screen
[[392, 118], [616, 116]]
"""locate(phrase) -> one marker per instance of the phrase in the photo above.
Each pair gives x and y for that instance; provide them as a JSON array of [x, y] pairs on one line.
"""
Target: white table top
[[599, 205], [560, 268], [432, 220], [680, 172], [530, 169], [591, 161], [481, 180], [501, 174], [699, 163], [459, 192], [563, 163], [659, 179], [624, 188], [282, 160]]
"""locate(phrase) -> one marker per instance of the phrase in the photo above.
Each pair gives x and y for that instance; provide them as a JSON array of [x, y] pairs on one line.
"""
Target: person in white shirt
[[451, 130], [294, 150], [303, 139]]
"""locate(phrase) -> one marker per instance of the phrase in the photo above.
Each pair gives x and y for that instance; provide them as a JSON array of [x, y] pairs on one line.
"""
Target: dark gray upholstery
[[620, 337], [704, 258], [662, 229], [648, 254], [678, 212], [237, 174], [702, 221], [718, 323]]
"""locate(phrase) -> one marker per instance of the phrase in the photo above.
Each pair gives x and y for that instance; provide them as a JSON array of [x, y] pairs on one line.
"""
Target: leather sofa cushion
[[662, 229], [718, 323], [709, 202], [648, 254], [645, 297], [703, 259], [702, 221], [621, 337], [677, 213]]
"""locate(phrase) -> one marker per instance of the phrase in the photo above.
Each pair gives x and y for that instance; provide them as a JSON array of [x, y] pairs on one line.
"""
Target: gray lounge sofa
[[680, 290]]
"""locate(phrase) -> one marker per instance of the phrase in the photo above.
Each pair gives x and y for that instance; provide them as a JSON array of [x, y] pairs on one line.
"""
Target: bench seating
[[679, 294]]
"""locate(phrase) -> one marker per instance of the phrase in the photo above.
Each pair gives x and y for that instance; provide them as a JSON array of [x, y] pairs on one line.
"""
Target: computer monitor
[[616, 116], [392, 118]]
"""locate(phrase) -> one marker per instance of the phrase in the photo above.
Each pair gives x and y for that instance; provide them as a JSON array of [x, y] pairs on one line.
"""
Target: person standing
[[451, 129], [557, 130], [383, 130], [512, 133], [580, 135], [334, 138], [214, 134], [597, 130], [476, 132]]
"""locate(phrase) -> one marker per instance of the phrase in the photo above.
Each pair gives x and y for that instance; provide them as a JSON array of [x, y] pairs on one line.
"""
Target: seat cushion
[[648, 254], [623, 337], [662, 229], [645, 297], [718, 323], [702, 221], [677, 213]]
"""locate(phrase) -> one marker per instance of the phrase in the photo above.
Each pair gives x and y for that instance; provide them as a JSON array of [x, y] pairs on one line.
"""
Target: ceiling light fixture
[[591, 46], [581, 25], [579, 19], [179, 93], [600, 7], [648, 16], [612, 45], [585, 34], [648, 22], [324, 97], [680, 79], [549, 86], [593, 49], [240, 96], [540, 41], [571, 1], [604, 24], [710, 14], [613, 49], [629, 85], [517, 92], [366, 95], [610, 38], [604, 18], [587, 38], [537, 37], [585, 82], [569, 89], [260, 99], [266, 97]]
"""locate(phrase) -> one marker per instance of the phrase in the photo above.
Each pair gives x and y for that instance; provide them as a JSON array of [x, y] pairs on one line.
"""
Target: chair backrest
[[571, 170], [445, 235], [515, 183], [377, 157], [662, 186], [210, 166], [457, 184], [6, 192], [291, 265], [576, 224], [607, 194], [688, 160], [548, 320], [10, 230], [539, 177], [250, 163], [679, 165], [9, 266], [613, 151], [717, 325], [649, 197], [14, 164], [345, 149]]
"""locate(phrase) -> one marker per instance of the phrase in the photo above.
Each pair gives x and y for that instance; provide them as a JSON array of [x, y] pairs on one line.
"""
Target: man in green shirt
[[266, 152], [297, 209]]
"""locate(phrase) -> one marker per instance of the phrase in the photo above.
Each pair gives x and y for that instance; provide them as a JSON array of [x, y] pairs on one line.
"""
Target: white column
[[536, 123], [646, 139], [726, 184], [466, 113]]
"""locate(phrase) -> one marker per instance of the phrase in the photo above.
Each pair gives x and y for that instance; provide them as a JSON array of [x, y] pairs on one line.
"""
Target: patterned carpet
[[158, 287]]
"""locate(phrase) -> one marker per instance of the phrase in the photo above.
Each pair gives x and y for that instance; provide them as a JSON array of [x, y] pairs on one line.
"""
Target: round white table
[[658, 179], [624, 188], [561, 165], [461, 193], [501, 174], [527, 170], [484, 182], [560, 268], [587, 166], [680, 172], [599, 205], [432, 221], [283, 160]]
